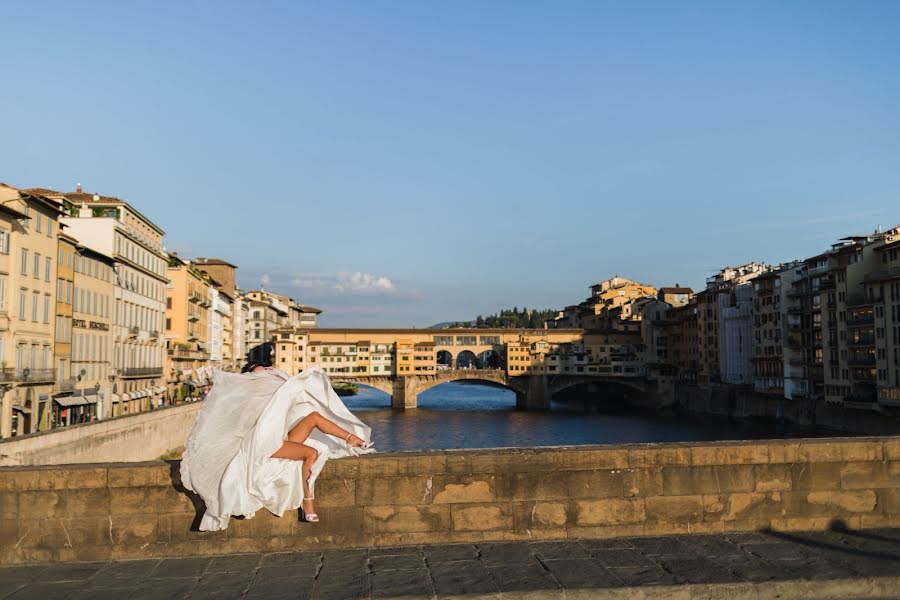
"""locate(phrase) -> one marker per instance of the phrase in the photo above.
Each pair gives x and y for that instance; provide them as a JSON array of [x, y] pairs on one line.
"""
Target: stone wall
[[143, 436], [89, 512]]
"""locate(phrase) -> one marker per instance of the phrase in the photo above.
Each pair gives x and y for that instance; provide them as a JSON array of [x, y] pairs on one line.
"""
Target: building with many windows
[[114, 228]]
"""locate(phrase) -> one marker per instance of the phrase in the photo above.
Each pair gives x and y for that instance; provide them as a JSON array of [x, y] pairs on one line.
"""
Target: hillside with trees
[[508, 318]]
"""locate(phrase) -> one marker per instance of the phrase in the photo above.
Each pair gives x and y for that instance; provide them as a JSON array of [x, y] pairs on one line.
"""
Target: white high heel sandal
[[308, 516], [354, 450]]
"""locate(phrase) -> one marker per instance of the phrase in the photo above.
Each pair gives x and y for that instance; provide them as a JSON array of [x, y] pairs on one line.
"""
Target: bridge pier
[[405, 390], [537, 394]]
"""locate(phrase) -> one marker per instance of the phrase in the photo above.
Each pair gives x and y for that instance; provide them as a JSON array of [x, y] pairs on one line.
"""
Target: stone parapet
[[140, 510]]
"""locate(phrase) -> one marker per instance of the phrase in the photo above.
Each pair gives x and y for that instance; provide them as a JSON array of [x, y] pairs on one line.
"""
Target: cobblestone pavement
[[850, 564]]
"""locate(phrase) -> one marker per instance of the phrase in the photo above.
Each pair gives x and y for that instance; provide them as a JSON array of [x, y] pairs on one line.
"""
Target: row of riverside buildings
[[824, 330], [98, 320]]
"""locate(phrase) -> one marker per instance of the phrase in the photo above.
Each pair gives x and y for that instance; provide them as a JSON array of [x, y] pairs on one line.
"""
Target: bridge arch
[[466, 360], [561, 383], [445, 359], [489, 359]]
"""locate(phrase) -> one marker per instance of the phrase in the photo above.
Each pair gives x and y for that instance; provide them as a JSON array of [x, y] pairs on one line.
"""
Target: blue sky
[[403, 163]]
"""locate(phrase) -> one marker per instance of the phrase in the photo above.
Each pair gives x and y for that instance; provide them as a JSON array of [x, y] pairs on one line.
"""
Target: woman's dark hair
[[248, 368]]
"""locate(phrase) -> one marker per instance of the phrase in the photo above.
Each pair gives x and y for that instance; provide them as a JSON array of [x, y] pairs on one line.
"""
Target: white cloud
[[265, 280], [363, 283]]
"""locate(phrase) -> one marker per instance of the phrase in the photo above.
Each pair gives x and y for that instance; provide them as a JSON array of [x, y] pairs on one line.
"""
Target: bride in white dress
[[260, 440]]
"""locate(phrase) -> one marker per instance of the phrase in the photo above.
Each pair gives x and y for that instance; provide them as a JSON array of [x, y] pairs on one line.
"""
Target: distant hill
[[526, 318]]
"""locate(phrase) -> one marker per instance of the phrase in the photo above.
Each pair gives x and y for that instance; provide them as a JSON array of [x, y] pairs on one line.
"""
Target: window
[[22, 305], [2, 292], [34, 307], [4, 242], [49, 227], [37, 265], [24, 261], [47, 308], [37, 221], [47, 269]]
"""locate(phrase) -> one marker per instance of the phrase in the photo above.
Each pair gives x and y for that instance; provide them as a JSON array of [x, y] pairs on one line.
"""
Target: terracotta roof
[[676, 290], [85, 198], [213, 261]]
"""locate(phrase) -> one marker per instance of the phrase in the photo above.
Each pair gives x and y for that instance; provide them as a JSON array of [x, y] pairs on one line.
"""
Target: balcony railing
[[36, 375], [142, 372], [8, 374], [862, 361], [868, 340], [860, 300], [133, 331], [180, 353], [66, 385], [867, 319]]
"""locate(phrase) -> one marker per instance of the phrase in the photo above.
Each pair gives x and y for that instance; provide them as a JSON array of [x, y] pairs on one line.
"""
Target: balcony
[[185, 354], [868, 340], [861, 320], [66, 385], [859, 300], [7, 374], [142, 372], [154, 335], [133, 332], [193, 318], [195, 297], [862, 361], [36, 375]]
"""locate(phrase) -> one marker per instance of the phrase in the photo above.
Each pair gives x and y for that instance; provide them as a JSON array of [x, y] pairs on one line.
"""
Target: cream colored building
[[65, 284], [114, 228], [92, 342], [28, 250]]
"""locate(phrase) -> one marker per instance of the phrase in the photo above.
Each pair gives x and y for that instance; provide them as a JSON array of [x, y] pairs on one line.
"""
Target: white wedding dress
[[245, 418]]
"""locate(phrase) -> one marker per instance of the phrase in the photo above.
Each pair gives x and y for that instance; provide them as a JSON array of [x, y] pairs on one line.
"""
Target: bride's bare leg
[[308, 454], [314, 420]]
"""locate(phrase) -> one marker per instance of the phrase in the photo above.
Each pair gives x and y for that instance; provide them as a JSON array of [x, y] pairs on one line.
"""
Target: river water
[[462, 415]]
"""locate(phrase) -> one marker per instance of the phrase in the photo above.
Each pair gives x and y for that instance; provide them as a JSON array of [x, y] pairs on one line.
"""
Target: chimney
[[78, 188]]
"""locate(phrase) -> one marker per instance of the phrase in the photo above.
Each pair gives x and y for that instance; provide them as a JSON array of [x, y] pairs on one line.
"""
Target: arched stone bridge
[[532, 391]]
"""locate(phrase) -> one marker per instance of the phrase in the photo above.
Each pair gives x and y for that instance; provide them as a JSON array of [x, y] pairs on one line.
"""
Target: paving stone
[[660, 546], [76, 571], [643, 576], [554, 550], [752, 568], [291, 558], [434, 554], [170, 589], [461, 577], [124, 574], [522, 577], [581, 573], [8, 588], [243, 563], [622, 557], [817, 569], [396, 562], [221, 586], [21, 574], [288, 571], [605, 544], [100, 594], [698, 570], [496, 555], [778, 551], [346, 587], [406, 583], [173, 568], [395, 550], [706, 545], [752, 538], [48, 590], [285, 588]]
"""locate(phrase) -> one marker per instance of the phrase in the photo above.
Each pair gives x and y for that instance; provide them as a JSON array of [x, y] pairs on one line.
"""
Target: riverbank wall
[[744, 403], [135, 437], [125, 511]]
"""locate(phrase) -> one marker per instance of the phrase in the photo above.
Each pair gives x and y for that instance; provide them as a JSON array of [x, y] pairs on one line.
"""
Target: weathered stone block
[[133, 529], [135, 500], [772, 478], [815, 476], [612, 511], [659, 455], [334, 521], [403, 519], [674, 509], [868, 475], [784, 452], [395, 490], [64, 503], [415, 538], [69, 478], [743, 506], [684, 481], [15, 480], [840, 450], [72, 532], [347, 467], [814, 523], [891, 449], [560, 485], [528, 515], [9, 505], [484, 517], [586, 460], [607, 532], [463, 488], [335, 492], [847, 501], [730, 454], [639, 482], [140, 476]]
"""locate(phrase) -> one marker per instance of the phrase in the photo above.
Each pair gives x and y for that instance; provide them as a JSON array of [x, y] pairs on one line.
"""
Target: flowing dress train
[[244, 419]]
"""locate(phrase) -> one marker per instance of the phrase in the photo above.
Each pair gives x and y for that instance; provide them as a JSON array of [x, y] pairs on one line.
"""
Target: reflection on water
[[460, 415]]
